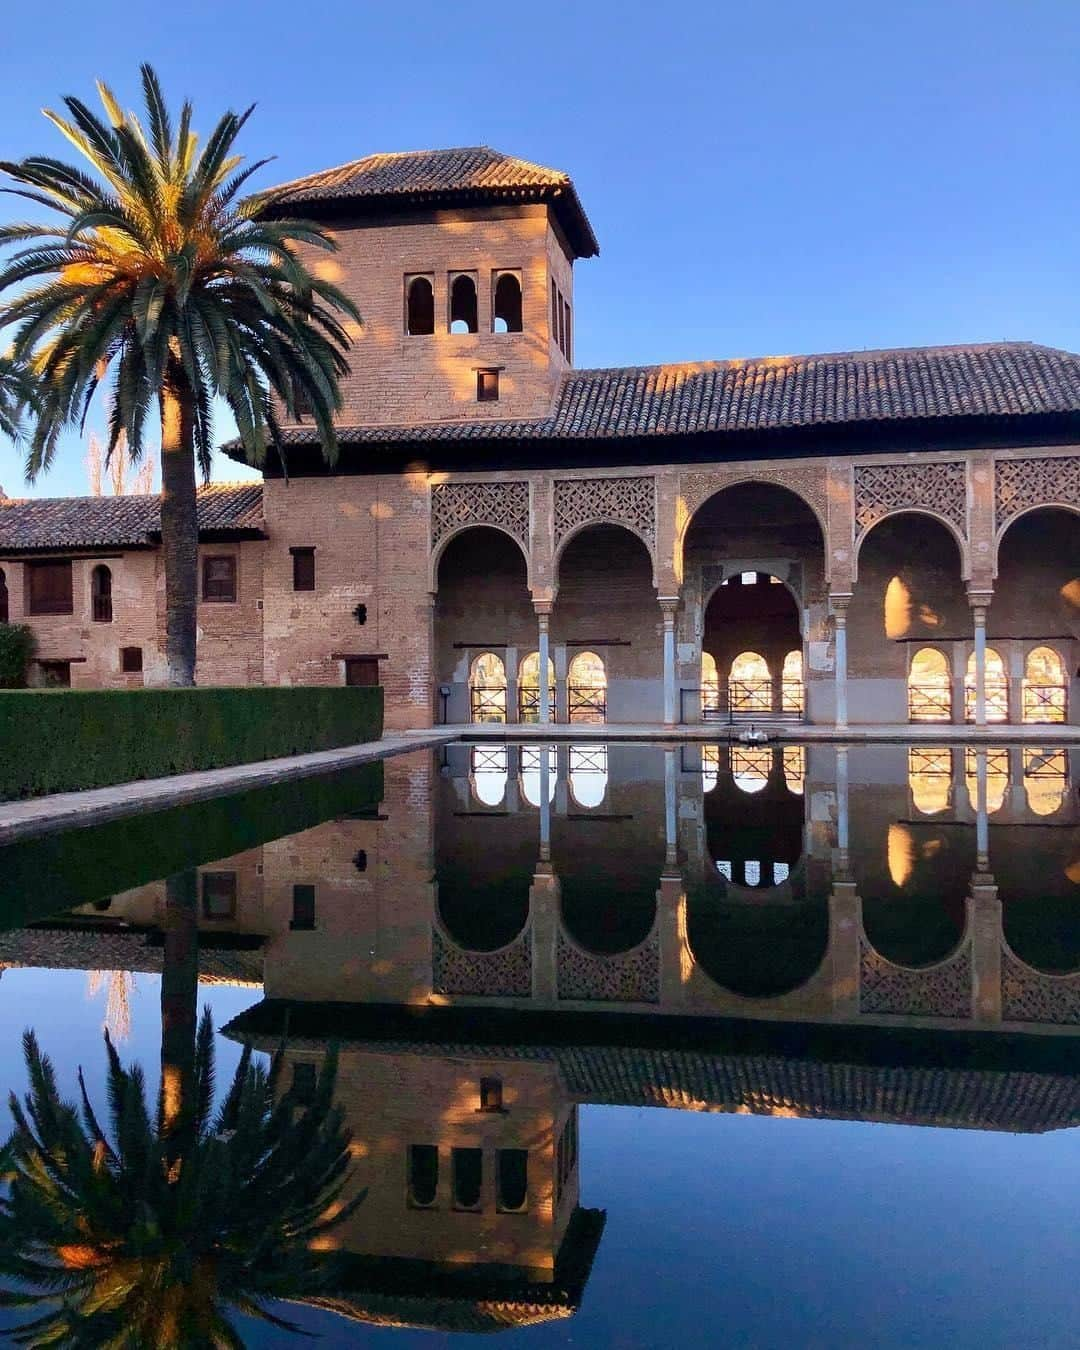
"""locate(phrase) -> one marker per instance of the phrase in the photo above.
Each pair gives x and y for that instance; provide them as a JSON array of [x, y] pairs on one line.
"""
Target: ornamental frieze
[[1020, 484], [808, 482], [943, 990], [1027, 995], [615, 501], [505, 505], [502, 974], [883, 488], [631, 977]]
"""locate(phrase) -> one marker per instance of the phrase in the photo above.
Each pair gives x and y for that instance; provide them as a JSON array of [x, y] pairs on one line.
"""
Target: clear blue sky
[[762, 179]]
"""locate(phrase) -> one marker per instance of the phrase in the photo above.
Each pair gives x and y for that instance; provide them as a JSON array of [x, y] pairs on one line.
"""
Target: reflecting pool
[[630, 1041]]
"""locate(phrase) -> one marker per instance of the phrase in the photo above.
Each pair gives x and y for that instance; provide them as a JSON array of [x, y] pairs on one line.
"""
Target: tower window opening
[[423, 1175], [463, 307], [101, 594], [419, 306], [487, 386], [466, 1171], [513, 1180], [506, 303]]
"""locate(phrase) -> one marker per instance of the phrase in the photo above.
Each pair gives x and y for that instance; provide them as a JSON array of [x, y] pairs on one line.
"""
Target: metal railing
[[997, 701], [752, 700], [487, 703], [529, 702], [929, 702], [1043, 702], [586, 703]]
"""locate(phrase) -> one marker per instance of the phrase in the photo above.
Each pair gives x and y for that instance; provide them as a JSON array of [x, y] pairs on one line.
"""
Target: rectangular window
[[305, 1080], [467, 1170], [303, 569], [562, 324], [219, 895], [55, 674], [48, 586], [491, 1094], [512, 1169], [554, 312], [566, 335], [362, 670], [131, 660], [423, 1175], [487, 386], [219, 579], [303, 908]]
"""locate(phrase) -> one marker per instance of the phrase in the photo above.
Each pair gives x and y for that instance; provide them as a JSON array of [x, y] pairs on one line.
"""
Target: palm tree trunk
[[179, 1007], [179, 525]]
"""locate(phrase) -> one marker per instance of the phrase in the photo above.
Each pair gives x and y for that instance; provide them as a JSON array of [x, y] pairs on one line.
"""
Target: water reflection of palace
[[516, 931]]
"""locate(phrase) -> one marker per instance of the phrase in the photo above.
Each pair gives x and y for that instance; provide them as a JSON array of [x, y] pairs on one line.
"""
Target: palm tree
[[116, 1239], [16, 394], [159, 278]]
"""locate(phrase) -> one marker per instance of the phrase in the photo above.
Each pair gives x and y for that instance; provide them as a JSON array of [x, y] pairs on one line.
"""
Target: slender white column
[[982, 817], [671, 839], [545, 798], [978, 613], [542, 619], [842, 804], [668, 608], [839, 606]]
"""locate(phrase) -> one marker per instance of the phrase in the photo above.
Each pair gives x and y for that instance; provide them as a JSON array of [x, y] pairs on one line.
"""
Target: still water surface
[[638, 1047]]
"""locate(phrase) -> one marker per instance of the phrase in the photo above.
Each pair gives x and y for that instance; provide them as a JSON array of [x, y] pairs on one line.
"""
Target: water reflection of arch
[[484, 871], [748, 823], [1037, 871], [914, 891], [609, 873]]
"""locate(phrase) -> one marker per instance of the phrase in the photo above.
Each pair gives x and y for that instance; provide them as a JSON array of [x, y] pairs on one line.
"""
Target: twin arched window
[[101, 594], [464, 317]]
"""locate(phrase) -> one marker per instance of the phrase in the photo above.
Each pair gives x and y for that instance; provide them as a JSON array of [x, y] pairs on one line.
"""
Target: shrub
[[17, 645], [67, 739]]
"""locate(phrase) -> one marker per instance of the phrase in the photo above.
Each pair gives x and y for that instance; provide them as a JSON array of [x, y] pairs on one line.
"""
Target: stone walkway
[[937, 734]]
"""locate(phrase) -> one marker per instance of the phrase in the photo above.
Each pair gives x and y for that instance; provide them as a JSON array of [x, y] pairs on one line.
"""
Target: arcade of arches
[[742, 621]]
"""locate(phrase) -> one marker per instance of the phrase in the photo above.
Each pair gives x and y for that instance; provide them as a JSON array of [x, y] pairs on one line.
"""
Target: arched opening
[[997, 688], [1045, 687], [489, 772], [606, 602], [529, 687], [710, 686], [482, 606], [909, 594], [586, 689], [101, 594], [3, 597], [487, 689], [532, 779], [507, 303], [464, 315], [754, 559], [749, 684], [794, 758], [792, 694], [1046, 780], [420, 307], [608, 889], [997, 778], [1038, 876], [929, 687], [483, 900], [588, 775], [930, 770]]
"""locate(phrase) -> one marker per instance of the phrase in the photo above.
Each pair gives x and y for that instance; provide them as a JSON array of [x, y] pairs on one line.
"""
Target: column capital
[[669, 606], [838, 603], [542, 609], [980, 599]]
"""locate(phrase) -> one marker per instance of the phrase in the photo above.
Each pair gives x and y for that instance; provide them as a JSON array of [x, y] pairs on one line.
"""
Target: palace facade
[[867, 537]]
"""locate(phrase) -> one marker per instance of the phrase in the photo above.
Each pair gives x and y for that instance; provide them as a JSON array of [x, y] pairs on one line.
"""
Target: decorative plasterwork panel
[[940, 991], [618, 501], [1030, 996], [506, 973], [633, 977], [806, 482], [1020, 484], [882, 488], [503, 504]]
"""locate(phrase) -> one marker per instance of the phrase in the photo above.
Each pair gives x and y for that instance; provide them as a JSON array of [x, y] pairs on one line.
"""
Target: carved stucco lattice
[[1030, 996], [632, 977], [456, 504], [941, 991], [506, 973], [621, 501], [881, 488], [1020, 484], [808, 483]]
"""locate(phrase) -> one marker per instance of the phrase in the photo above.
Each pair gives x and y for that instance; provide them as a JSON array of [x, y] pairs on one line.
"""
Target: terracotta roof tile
[[475, 173], [118, 522]]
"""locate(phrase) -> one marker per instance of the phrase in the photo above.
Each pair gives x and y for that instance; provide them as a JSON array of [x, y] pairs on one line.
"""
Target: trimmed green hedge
[[60, 740], [17, 646]]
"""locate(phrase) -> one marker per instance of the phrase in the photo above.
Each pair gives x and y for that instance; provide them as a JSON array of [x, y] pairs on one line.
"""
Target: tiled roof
[[120, 949], [469, 173], [118, 522], [774, 393]]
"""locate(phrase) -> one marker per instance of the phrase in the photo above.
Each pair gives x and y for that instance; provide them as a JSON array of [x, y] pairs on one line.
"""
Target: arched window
[[1046, 780], [101, 594], [930, 778], [531, 777], [750, 686], [489, 773], [3, 597], [997, 688], [487, 688], [529, 688], [792, 695], [997, 778], [588, 774], [419, 307], [1044, 690], [710, 686], [506, 304], [794, 759], [463, 311], [751, 768], [586, 689], [929, 687]]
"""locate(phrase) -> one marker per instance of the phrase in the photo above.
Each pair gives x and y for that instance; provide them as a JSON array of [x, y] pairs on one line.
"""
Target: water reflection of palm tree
[[157, 1230]]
